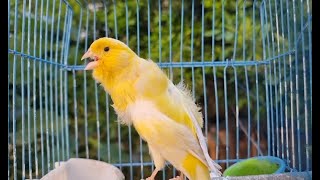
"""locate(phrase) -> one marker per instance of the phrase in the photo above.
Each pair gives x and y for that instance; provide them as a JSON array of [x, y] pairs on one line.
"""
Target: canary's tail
[[195, 169]]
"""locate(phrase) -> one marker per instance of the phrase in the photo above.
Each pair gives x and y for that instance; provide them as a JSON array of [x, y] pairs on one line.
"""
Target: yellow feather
[[173, 140], [197, 170]]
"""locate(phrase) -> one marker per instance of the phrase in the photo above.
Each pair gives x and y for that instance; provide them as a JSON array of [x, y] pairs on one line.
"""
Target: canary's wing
[[173, 141], [175, 102], [181, 94]]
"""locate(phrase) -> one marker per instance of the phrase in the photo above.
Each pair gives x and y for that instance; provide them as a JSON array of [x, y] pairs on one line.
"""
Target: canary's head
[[108, 56]]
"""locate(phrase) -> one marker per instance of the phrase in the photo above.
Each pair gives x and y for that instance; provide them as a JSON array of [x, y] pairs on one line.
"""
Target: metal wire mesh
[[248, 64]]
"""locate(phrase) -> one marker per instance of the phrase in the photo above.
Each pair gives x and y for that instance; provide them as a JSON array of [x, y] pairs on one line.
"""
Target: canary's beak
[[93, 60]]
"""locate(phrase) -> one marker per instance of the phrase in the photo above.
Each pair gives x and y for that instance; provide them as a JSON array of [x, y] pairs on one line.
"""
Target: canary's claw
[[181, 177], [177, 178]]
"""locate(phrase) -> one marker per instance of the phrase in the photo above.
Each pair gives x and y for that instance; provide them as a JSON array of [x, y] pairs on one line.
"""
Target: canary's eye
[[106, 49]]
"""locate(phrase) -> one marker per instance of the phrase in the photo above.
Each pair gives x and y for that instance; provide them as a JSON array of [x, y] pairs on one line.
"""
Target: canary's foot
[[153, 175], [177, 178], [181, 177]]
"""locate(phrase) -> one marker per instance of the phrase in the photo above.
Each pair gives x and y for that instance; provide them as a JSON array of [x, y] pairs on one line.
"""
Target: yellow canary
[[164, 115]]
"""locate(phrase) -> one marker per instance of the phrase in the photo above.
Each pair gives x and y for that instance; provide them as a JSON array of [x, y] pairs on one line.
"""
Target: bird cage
[[247, 63]]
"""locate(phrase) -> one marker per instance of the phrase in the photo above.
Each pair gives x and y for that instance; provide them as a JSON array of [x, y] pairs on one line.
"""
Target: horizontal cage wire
[[248, 64]]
